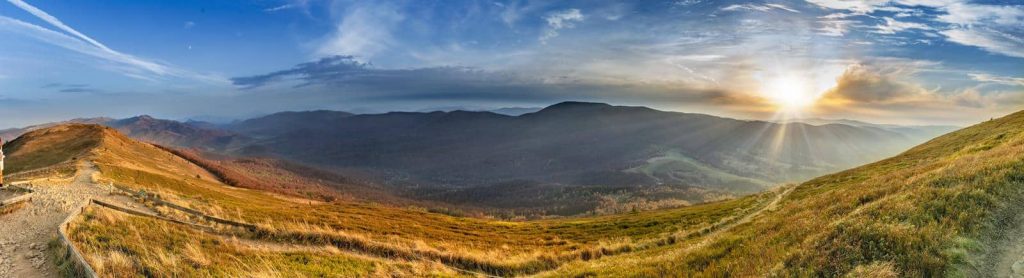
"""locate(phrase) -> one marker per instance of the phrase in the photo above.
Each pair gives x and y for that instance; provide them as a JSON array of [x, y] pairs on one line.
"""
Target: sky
[[885, 61]]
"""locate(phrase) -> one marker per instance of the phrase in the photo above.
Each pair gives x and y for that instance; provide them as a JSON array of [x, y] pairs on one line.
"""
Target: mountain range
[[947, 207], [571, 142], [599, 155]]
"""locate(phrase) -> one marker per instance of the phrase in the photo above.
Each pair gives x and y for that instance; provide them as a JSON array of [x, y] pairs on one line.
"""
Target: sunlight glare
[[790, 92]]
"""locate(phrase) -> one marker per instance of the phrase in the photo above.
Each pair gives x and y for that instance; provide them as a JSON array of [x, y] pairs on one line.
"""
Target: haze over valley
[[512, 138], [603, 157]]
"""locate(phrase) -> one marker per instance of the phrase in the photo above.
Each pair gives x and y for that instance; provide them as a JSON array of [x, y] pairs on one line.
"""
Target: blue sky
[[892, 61]]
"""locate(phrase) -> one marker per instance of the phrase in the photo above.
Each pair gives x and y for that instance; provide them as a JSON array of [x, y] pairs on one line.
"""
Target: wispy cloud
[[1004, 80], [342, 77], [989, 39], [857, 6], [77, 41], [560, 20], [892, 26], [57, 23], [992, 26], [363, 30], [834, 28], [279, 8], [756, 7], [996, 29]]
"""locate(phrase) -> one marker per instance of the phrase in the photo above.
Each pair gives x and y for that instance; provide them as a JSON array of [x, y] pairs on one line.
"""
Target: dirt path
[[1011, 263], [1008, 259], [24, 234], [715, 232], [707, 239]]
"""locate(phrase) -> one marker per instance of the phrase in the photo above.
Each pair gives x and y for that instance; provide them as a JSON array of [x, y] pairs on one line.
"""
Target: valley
[[943, 209], [512, 138], [568, 159], [496, 247]]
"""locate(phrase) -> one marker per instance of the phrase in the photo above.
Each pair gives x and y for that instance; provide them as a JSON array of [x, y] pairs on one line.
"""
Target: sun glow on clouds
[[790, 92], [793, 92]]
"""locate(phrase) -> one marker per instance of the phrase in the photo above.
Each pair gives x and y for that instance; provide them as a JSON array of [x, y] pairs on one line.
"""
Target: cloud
[[56, 23], [782, 7], [858, 6], [834, 28], [884, 87], [279, 8], [343, 79], [70, 88], [992, 27], [864, 84], [989, 39], [893, 26], [974, 14], [762, 8], [699, 57], [996, 29], [970, 98], [364, 31], [347, 71], [560, 20], [78, 90], [129, 65], [328, 68], [1003, 80]]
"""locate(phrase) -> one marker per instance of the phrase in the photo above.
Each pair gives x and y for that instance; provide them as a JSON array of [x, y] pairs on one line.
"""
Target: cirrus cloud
[[560, 20]]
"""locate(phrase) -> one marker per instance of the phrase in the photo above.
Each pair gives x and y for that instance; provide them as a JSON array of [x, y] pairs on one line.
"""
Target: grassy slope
[[486, 245], [927, 212], [674, 167], [50, 149], [113, 249], [924, 212]]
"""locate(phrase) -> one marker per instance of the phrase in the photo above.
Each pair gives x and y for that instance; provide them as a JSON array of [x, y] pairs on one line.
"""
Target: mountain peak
[[577, 104], [138, 119], [574, 106], [50, 146]]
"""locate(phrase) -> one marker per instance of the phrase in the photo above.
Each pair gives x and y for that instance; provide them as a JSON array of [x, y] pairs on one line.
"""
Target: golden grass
[[926, 212], [145, 246], [494, 247], [122, 245], [49, 147]]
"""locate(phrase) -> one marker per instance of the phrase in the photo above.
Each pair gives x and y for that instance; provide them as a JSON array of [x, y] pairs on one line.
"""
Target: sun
[[790, 92]]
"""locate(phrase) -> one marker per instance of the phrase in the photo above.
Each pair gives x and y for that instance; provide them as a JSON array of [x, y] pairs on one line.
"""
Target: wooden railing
[[81, 267], [27, 196], [160, 202]]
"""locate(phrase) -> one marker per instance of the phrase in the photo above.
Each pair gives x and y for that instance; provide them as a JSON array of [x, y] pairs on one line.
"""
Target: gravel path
[[1009, 259], [24, 234], [4, 194]]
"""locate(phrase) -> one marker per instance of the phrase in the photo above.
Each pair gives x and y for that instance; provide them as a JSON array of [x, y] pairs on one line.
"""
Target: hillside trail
[[1009, 259], [716, 232], [25, 233], [710, 237]]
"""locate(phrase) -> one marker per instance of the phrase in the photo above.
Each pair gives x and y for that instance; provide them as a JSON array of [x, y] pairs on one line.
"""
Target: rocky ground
[[24, 233], [4, 194]]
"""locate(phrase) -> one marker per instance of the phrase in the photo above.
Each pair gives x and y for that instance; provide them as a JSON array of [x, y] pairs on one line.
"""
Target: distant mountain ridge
[[12, 133], [570, 142], [575, 145], [174, 133]]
